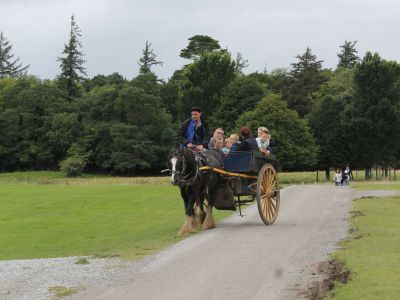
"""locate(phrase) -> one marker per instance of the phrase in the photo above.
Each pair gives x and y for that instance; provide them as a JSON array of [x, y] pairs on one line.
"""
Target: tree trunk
[[317, 175], [327, 177], [368, 174], [386, 172]]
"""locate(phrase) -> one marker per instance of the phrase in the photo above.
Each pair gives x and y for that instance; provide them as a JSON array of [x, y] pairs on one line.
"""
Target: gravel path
[[242, 258]]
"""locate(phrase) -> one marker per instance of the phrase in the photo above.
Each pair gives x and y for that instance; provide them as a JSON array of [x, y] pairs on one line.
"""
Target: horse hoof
[[186, 228], [187, 231], [208, 226]]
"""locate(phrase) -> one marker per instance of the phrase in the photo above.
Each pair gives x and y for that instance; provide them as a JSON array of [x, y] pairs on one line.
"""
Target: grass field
[[372, 254], [44, 215]]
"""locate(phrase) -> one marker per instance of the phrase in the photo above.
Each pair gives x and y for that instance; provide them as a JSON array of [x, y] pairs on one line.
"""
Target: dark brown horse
[[196, 186]]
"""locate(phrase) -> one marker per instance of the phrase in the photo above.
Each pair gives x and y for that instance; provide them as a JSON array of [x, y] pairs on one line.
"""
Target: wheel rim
[[268, 194]]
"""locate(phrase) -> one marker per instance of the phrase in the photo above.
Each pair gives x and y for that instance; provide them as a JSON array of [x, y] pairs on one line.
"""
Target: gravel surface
[[240, 259]]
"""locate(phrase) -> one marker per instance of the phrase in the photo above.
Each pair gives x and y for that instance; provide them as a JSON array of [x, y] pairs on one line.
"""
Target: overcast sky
[[267, 33]]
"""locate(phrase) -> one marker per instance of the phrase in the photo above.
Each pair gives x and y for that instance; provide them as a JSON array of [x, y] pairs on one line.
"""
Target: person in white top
[[337, 178], [263, 140]]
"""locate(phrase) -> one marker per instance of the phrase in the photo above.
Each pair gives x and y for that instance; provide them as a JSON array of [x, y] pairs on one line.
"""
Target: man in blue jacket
[[194, 132]]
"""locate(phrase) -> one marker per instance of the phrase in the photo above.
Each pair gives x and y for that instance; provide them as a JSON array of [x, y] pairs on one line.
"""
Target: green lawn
[[106, 216], [373, 255], [381, 185]]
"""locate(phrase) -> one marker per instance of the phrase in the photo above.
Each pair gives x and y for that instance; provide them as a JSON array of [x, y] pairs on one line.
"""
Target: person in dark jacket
[[248, 142], [194, 132]]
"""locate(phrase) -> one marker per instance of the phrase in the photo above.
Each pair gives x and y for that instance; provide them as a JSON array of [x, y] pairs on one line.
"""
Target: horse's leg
[[189, 226], [199, 214], [209, 222]]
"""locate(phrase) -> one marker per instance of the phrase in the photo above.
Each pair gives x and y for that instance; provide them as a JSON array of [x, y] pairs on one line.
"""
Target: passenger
[[228, 146], [218, 133], [235, 141], [263, 141], [193, 132], [248, 142], [260, 130], [219, 143]]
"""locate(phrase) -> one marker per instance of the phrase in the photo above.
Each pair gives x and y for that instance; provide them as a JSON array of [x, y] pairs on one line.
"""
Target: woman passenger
[[248, 142]]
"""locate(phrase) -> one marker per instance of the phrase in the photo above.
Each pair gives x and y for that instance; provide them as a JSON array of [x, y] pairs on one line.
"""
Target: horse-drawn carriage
[[250, 176], [225, 183]]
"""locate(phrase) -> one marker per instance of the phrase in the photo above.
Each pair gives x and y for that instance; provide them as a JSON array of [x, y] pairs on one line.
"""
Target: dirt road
[[242, 258]]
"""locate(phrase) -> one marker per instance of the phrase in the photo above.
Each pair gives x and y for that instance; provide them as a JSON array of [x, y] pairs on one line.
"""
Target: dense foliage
[[320, 118]]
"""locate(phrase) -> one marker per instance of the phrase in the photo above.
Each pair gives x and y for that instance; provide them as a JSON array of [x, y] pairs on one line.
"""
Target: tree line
[[321, 118]]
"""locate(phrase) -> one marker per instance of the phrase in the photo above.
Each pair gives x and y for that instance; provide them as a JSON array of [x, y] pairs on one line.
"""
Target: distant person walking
[[337, 178]]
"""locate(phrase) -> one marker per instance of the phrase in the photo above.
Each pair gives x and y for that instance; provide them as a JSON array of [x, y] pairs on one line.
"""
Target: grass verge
[[105, 220], [372, 252]]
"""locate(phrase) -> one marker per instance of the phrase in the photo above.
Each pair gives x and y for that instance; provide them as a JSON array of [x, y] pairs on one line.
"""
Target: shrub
[[73, 166]]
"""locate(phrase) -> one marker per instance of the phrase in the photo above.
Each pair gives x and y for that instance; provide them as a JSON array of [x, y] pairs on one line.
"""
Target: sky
[[269, 34]]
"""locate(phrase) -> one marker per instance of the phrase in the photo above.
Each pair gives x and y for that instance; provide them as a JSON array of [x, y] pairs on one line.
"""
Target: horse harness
[[201, 161]]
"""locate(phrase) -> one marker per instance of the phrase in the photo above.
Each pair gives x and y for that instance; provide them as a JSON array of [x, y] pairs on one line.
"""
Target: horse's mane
[[189, 158]]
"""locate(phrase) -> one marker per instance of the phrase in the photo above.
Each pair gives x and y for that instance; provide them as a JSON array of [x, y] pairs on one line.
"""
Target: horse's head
[[182, 166], [176, 165]]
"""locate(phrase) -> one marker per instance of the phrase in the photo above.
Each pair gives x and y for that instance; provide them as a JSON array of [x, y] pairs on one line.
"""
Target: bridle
[[186, 178]]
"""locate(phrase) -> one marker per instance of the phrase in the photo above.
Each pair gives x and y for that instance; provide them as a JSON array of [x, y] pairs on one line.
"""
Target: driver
[[193, 132]]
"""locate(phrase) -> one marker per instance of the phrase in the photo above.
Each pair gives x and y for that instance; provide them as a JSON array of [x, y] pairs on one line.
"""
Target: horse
[[196, 185]]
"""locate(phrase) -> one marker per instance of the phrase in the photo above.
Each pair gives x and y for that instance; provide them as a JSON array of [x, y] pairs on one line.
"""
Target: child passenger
[[263, 140], [228, 146], [235, 141], [219, 143]]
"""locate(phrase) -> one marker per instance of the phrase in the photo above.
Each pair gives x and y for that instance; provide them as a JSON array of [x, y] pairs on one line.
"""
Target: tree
[[198, 45], [348, 58], [148, 60], [327, 120], [296, 149], [72, 63], [23, 116], [101, 80], [9, 67], [64, 130], [306, 77], [241, 63], [241, 95], [203, 81], [373, 117]]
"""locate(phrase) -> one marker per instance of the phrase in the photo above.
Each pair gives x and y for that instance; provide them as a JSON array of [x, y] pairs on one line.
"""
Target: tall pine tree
[[148, 60], [305, 78], [72, 63], [348, 58], [9, 67], [198, 45]]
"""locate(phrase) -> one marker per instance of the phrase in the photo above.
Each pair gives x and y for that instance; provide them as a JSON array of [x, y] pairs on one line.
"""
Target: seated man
[[218, 133], [193, 132], [248, 142]]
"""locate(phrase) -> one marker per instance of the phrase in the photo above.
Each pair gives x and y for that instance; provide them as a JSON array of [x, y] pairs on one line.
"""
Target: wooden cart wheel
[[268, 194]]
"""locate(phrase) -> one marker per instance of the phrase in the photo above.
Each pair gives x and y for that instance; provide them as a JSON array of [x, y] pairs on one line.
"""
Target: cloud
[[265, 32]]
